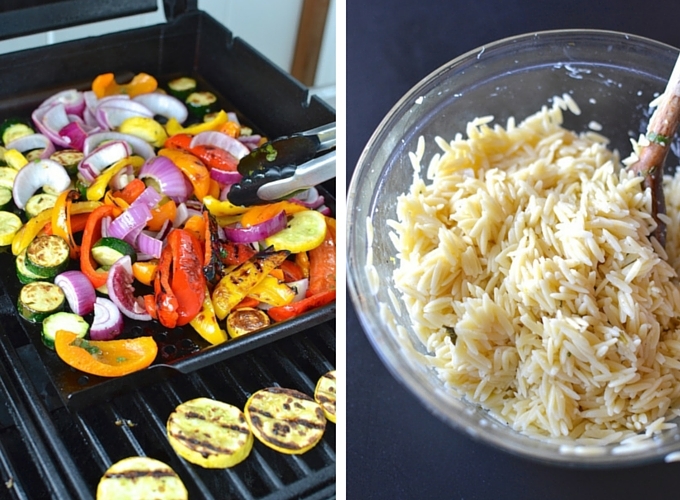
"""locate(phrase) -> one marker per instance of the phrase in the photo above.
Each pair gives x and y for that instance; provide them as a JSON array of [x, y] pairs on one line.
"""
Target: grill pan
[[60, 429], [264, 97]]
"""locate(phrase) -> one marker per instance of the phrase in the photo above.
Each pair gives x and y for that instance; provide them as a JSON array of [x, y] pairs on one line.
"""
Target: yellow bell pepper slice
[[97, 190], [271, 292], [205, 322], [30, 230], [224, 208], [173, 127]]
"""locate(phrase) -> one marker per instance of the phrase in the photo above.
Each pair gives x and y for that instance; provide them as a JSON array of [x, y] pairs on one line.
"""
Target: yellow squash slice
[[209, 433], [325, 394], [134, 478], [285, 420]]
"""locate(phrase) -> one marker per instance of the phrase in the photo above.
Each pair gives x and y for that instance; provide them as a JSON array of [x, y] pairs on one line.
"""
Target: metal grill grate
[[87, 442]]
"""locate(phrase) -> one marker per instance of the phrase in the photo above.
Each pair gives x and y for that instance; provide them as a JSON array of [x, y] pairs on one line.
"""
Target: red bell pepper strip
[[282, 313], [91, 234], [322, 263], [166, 302], [131, 191], [179, 141], [291, 271], [187, 283], [214, 157]]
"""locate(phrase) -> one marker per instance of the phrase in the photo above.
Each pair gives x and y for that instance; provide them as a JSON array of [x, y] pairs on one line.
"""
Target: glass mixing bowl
[[612, 76]]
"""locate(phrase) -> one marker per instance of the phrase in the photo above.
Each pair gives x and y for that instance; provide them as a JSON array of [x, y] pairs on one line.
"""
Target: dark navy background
[[395, 448]]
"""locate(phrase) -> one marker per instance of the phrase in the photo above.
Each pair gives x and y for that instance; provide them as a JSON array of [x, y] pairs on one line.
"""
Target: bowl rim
[[357, 291]]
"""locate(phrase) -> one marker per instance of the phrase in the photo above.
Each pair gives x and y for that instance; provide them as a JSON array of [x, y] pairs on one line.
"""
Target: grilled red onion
[[258, 232], [309, 198], [121, 291], [252, 142], [149, 245], [79, 292], [222, 141], [102, 157], [33, 141], [130, 223], [108, 320], [73, 101], [225, 177], [139, 146], [36, 175], [111, 114], [170, 179], [50, 120], [76, 134]]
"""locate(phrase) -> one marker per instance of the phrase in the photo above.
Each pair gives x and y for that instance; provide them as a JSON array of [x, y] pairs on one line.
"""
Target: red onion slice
[[163, 105], [111, 115], [103, 156], [139, 146], [167, 176], [73, 101], [108, 320], [222, 141], [79, 292], [309, 198], [76, 134], [252, 142], [224, 177], [258, 232], [130, 223], [121, 291], [149, 245], [50, 120], [33, 141], [36, 175], [149, 197]]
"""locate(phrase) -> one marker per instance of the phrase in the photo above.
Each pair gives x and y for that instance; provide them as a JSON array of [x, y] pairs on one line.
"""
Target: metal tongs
[[284, 166]]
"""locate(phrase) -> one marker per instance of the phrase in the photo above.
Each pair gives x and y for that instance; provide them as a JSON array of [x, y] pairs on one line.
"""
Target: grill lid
[[27, 17]]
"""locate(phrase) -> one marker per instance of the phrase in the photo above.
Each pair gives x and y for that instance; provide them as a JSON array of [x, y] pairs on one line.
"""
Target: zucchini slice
[[5, 197], [182, 87], [47, 255], [33, 154], [69, 158], [40, 299], [108, 250], [24, 274], [10, 223], [39, 202], [12, 129], [7, 175], [201, 103], [246, 320], [62, 321]]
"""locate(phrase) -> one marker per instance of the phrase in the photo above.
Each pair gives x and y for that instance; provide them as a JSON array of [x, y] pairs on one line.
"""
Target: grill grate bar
[[96, 446]]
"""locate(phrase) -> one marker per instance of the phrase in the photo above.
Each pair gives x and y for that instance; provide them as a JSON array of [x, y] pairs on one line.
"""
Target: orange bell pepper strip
[[32, 228], [105, 358], [61, 220], [261, 213], [215, 189], [78, 223], [247, 302], [131, 191], [302, 260], [322, 267], [282, 313], [192, 168], [91, 234], [105, 84], [196, 226], [187, 283], [230, 128], [166, 211], [145, 272]]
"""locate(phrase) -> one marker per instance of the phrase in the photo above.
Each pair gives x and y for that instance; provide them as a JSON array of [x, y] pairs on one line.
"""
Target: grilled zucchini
[[135, 478], [325, 394], [47, 255], [285, 420], [40, 299], [39, 202], [246, 320], [209, 433]]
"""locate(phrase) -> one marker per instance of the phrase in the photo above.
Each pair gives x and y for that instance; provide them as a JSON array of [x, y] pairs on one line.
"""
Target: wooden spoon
[[660, 132]]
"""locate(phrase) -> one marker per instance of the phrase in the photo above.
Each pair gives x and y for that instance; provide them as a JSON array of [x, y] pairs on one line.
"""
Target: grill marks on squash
[[285, 419], [209, 433]]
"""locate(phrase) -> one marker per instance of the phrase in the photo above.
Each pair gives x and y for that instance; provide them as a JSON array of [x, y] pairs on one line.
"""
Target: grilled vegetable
[[205, 322], [10, 224], [107, 251], [325, 394], [145, 128], [201, 103], [39, 202], [182, 87], [69, 158], [285, 420], [62, 321], [39, 299], [5, 196], [246, 320], [106, 358], [23, 273], [14, 128], [209, 433], [47, 255], [140, 477], [306, 230], [234, 286]]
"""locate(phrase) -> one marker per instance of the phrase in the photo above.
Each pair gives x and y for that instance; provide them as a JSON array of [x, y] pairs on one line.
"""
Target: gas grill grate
[[85, 443]]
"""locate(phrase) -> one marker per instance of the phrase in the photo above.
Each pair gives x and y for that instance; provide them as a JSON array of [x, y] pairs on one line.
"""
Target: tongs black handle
[[288, 164]]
